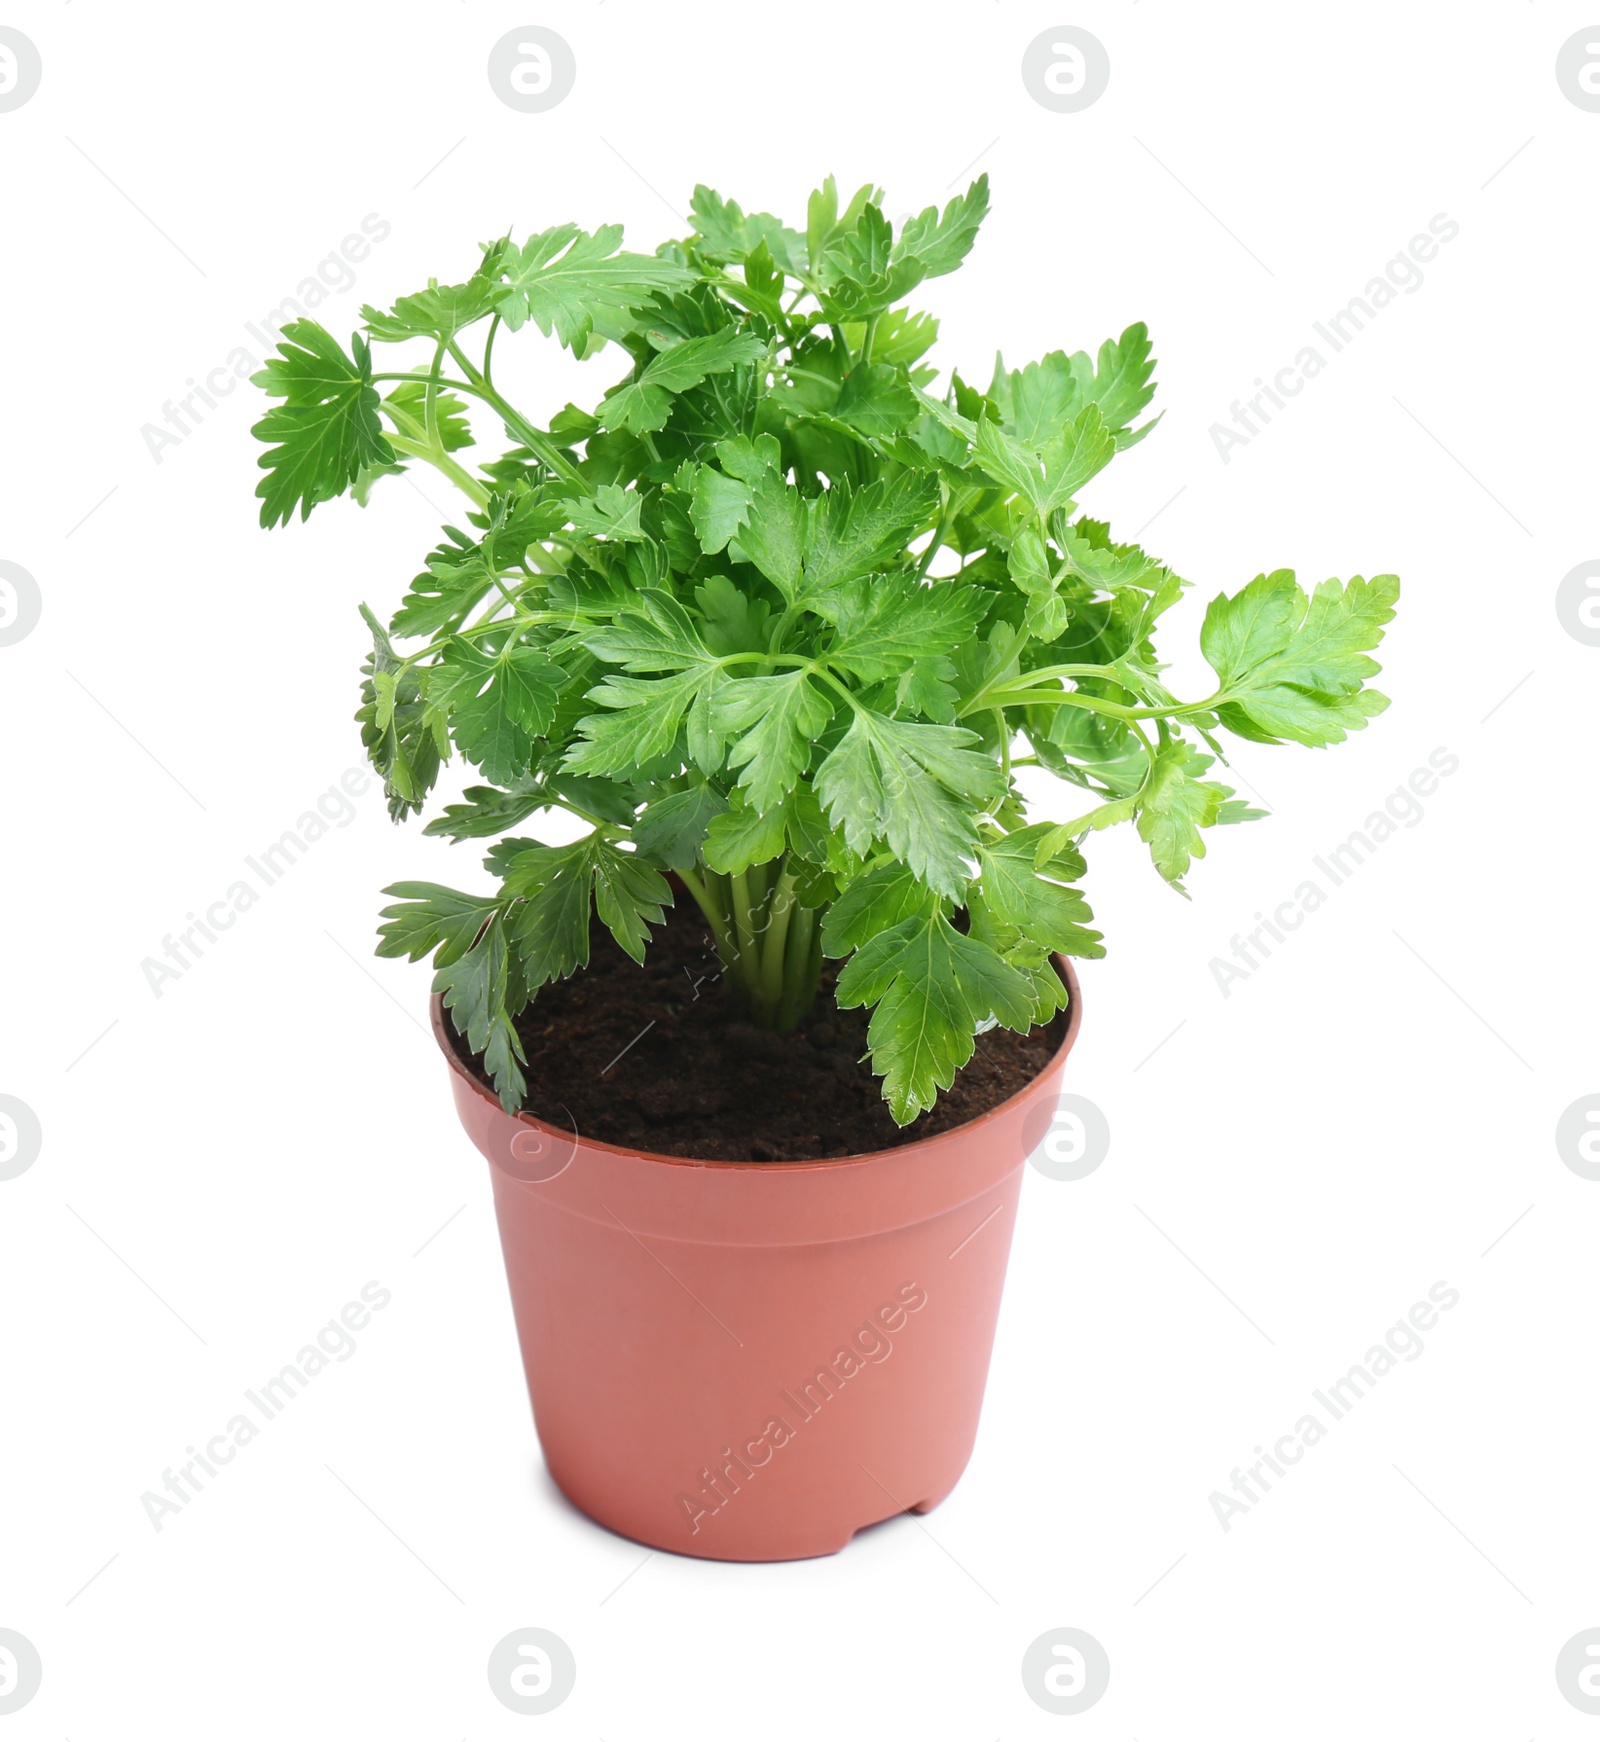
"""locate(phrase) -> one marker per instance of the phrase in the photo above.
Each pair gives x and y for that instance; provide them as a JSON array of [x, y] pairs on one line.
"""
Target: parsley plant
[[780, 619]]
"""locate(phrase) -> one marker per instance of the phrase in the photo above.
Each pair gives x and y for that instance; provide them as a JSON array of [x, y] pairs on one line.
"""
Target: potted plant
[[778, 625]]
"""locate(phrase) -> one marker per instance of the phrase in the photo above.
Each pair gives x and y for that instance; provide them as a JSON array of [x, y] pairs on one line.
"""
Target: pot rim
[[441, 1035]]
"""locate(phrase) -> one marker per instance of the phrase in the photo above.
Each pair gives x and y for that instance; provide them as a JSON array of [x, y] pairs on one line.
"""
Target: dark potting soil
[[656, 1058]]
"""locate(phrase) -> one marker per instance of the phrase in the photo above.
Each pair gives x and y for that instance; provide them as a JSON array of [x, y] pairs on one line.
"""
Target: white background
[[1365, 1115]]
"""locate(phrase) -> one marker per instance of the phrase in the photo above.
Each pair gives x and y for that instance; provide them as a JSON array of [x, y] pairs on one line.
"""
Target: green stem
[[706, 901], [1094, 704], [802, 967], [426, 380], [745, 951], [780, 912], [535, 440], [1004, 732], [940, 531], [430, 400], [808, 375], [437, 457], [985, 696], [773, 948], [488, 350]]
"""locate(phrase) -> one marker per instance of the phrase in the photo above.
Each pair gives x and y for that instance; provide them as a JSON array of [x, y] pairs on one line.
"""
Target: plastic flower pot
[[752, 1361]]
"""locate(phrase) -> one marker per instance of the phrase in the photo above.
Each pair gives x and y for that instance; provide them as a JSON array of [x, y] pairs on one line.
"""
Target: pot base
[[791, 1546]]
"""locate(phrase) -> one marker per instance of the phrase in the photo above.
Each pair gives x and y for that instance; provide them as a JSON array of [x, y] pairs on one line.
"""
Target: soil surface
[[655, 1058]]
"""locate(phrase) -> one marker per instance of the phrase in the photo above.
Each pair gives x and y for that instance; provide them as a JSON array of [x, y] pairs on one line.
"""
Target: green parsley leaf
[[645, 403], [1175, 806], [326, 431], [483, 992], [904, 781], [1038, 901], [428, 917], [1293, 667], [779, 718], [497, 703], [564, 279], [932, 987]]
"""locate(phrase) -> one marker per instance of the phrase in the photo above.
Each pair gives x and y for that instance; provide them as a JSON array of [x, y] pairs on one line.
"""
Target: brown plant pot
[[752, 1361]]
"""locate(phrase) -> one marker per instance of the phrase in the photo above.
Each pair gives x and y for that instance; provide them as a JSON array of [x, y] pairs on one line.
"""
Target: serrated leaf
[[428, 917], [724, 232], [486, 812], [940, 243], [742, 836], [717, 507], [629, 896], [932, 987], [902, 335], [326, 432], [641, 728], [903, 780], [1310, 717], [1243, 632], [404, 748], [733, 622], [550, 924], [878, 900], [1122, 386], [644, 404], [442, 310], [483, 993], [1041, 399], [1037, 901], [927, 686], [653, 633], [777, 720], [497, 703], [772, 534], [672, 829], [851, 533], [876, 400], [555, 885], [1293, 667], [1175, 806], [612, 512], [886, 625], [1048, 476], [564, 279]]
